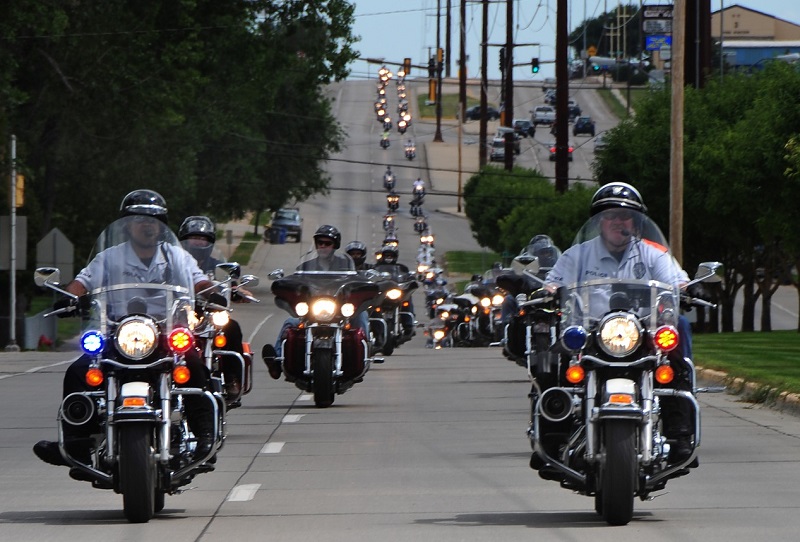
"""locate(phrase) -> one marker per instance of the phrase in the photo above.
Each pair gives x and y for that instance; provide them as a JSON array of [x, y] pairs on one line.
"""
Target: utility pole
[[462, 62], [484, 82], [676, 131], [12, 267], [562, 98], [437, 137], [508, 107], [447, 50]]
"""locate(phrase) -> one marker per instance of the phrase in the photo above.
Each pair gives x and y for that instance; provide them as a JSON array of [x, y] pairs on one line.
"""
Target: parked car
[[543, 114], [498, 150], [583, 125], [289, 219], [600, 143], [474, 113], [553, 152], [501, 134], [524, 127]]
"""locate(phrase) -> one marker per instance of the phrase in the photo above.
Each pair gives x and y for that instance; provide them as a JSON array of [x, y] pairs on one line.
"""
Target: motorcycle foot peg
[[377, 359]]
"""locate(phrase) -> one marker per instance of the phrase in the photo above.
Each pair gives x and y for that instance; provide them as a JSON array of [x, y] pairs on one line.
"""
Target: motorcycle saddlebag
[[294, 352], [353, 353]]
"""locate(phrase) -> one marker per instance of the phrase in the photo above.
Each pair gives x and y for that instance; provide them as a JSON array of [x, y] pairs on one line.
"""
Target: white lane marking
[[272, 448], [255, 331], [36, 369], [292, 418], [305, 397], [244, 492]]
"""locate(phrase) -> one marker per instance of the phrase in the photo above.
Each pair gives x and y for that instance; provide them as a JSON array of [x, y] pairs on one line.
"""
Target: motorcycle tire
[[618, 476], [388, 348], [137, 471], [322, 360]]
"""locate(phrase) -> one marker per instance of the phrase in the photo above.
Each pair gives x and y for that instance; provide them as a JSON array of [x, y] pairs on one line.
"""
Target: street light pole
[[437, 137], [12, 267]]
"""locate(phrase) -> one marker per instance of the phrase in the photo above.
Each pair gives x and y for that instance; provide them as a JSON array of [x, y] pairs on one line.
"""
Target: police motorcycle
[[392, 322], [392, 202], [463, 315], [324, 352], [231, 372], [600, 411], [137, 336], [417, 200]]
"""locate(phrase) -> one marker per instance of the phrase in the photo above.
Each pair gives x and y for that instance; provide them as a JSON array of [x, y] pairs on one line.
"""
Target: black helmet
[[144, 202], [545, 251], [357, 246], [198, 225], [389, 254], [331, 233], [617, 195]]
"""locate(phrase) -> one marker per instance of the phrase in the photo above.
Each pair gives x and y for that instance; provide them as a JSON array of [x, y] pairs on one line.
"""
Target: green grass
[[449, 105], [245, 249], [470, 262], [617, 108], [768, 359]]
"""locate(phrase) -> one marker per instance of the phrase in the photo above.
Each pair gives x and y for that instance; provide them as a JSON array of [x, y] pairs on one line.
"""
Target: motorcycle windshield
[[325, 260], [619, 261], [137, 266], [207, 255]]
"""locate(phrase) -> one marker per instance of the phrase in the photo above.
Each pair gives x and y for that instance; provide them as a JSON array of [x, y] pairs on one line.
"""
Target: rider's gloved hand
[[698, 291], [81, 305]]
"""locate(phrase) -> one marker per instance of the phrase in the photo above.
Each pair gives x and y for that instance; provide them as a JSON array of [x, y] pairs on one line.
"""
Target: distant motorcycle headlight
[[394, 294], [220, 318], [497, 300], [444, 315], [348, 310], [438, 334], [136, 338], [485, 302], [301, 308], [439, 300], [620, 334], [323, 309]]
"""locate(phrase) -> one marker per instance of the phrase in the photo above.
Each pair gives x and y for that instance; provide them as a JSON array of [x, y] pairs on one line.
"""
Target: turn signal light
[[620, 399], [666, 338], [220, 340], [575, 374], [94, 377], [181, 374], [134, 402], [180, 340], [664, 374]]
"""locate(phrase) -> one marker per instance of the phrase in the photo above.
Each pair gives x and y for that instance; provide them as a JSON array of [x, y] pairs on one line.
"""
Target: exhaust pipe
[[556, 404], [77, 409]]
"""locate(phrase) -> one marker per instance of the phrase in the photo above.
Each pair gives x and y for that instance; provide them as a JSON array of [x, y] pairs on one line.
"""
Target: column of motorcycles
[[381, 105], [137, 336]]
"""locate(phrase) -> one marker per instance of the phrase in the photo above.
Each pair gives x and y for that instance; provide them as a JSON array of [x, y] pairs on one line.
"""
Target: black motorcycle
[[137, 335], [323, 352], [392, 322]]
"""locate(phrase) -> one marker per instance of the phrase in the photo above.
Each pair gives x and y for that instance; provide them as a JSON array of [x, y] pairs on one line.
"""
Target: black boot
[[201, 423], [269, 355], [78, 448]]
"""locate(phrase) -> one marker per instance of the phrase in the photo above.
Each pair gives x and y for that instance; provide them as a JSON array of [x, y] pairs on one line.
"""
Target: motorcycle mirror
[[250, 280], [276, 274], [711, 272], [229, 270], [46, 276]]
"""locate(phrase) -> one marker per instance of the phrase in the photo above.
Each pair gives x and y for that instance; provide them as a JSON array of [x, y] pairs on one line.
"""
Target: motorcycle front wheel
[[137, 471], [618, 478], [323, 378]]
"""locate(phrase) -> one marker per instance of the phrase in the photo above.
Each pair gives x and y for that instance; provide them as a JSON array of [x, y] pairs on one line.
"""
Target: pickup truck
[[543, 114]]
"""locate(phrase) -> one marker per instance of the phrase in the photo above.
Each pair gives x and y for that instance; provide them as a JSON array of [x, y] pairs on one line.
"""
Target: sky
[[396, 30]]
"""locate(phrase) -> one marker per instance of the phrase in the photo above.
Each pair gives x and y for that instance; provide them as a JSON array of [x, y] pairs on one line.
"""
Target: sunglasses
[[617, 215], [324, 243]]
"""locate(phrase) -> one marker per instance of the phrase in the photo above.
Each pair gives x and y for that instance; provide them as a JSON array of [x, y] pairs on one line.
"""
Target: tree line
[[741, 185]]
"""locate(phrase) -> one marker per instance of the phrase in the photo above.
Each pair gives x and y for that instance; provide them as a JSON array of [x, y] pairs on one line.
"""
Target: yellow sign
[[591, 51]]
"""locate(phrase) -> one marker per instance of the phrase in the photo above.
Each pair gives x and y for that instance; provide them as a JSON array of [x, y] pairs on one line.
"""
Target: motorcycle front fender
[[620, 399], [135, 404]]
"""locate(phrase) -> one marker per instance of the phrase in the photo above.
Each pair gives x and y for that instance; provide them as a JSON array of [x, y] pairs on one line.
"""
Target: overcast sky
[[395, 30]]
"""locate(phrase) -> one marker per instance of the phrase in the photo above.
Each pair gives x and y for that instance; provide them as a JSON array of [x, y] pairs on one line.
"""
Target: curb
[[757, 394]]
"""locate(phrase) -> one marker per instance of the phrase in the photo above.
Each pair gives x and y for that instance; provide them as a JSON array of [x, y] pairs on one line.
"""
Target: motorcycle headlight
[[439, 300], [485, 302], [323, 309], [348, 310], [497, 300], [136, 338], [438, 334], [301, 308], [444, 315], [220, 318], [619, 334], [394, 294]]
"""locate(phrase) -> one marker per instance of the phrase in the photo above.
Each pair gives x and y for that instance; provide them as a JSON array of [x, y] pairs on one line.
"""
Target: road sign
[[657, 43], [591, 51], [657, 26], [657, 12]]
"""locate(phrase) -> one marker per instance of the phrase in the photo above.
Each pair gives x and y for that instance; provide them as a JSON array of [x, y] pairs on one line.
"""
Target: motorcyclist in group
[[388, 173], [358, 251], [419, 186], [388, 256], [198, 235], [327, 240], [142, 255], [611, 254]]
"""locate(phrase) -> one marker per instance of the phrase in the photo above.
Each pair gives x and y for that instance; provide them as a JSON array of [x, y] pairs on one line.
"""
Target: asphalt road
[[431, 446]]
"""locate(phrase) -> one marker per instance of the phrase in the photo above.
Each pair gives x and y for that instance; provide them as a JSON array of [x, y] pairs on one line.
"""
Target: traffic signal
[[407, 66], [431, 68], [502, 59], [535, 65]]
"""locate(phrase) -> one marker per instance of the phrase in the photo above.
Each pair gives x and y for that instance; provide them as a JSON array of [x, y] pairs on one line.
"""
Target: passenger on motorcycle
[[143, 256], [327, 240], [619, 251], [198, 235]]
